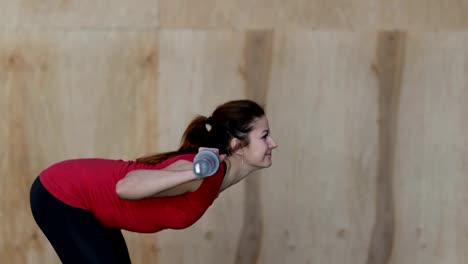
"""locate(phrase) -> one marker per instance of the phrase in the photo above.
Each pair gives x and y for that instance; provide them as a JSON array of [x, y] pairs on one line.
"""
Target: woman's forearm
[[141, 184]]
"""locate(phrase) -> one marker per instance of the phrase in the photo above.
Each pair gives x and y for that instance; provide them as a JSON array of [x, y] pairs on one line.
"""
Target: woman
[[82, 205]]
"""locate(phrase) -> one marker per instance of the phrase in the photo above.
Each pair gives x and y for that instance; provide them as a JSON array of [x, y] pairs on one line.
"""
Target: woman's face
[[258, 153]]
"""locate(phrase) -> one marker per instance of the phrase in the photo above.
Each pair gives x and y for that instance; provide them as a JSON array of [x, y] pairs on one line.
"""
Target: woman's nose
[[273, 144]]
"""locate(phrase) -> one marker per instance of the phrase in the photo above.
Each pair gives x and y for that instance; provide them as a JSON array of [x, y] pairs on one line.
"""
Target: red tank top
[[90, 184]]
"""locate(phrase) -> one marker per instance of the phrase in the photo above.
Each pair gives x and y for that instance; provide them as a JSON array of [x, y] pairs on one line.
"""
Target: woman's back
[[90, 184]]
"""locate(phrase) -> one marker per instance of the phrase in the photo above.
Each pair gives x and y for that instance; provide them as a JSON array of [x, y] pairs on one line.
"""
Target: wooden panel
[[200, 70], [264, 14], [425, 14], [432, 151], [339, 170], [319, 195], [27, 72], [317, 14], [69, 95], [57, 14]]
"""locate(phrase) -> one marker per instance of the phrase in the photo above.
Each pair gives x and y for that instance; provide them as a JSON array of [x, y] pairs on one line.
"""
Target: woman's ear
[[236, 146]]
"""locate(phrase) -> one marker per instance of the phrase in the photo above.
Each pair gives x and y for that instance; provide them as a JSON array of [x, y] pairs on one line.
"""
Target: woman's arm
[[173, 180]]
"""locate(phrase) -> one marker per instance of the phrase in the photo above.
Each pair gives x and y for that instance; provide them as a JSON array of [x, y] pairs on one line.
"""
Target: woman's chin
[[268, 162]]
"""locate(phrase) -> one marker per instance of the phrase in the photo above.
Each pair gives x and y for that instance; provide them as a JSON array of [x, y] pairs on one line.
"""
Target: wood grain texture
[[315, 14], [424, 15], [25, 68], [258, 51], [69, 95], [388, 68], [78, 15]]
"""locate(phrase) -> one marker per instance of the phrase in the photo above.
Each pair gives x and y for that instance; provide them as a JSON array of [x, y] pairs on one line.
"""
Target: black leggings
[[74, 233]]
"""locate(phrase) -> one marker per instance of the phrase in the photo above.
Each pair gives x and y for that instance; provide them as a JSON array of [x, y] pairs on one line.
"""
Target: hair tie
[[208, 124]]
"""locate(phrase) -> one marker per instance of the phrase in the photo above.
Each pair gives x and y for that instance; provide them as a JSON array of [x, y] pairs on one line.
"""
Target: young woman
[[82, 205]]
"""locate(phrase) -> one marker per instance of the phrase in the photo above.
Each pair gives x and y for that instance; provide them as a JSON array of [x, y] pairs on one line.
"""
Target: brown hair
[[233, 119]]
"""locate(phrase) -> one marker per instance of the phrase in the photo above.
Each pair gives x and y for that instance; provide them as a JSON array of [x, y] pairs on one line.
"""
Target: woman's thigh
[[74, 233]]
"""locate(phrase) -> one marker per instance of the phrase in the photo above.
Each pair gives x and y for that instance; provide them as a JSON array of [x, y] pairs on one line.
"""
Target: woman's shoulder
[[180, 161], [187, 157], [179, 165]]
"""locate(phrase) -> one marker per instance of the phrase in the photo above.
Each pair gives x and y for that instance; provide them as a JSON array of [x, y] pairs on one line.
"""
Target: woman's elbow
[[123, 191]]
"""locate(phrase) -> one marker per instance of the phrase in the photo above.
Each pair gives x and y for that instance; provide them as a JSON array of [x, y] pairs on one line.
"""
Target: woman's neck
[[236, 171]]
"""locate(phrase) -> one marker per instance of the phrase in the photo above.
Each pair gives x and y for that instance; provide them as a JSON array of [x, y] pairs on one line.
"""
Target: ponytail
[[196, 135]]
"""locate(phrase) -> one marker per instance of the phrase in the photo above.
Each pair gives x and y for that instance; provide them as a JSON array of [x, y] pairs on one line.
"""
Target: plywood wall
[[366, 100]]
